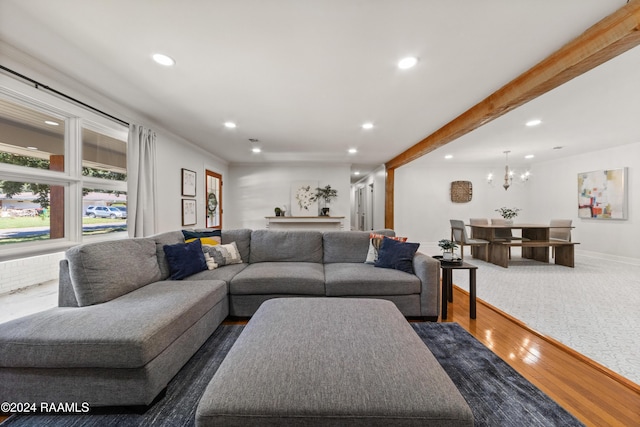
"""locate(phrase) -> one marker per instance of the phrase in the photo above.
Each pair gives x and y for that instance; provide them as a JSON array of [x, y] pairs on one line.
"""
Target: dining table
[[535, 244]]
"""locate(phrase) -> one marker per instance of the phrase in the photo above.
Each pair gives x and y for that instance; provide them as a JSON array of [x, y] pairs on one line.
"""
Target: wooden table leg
[[472, 293], [445, 298]]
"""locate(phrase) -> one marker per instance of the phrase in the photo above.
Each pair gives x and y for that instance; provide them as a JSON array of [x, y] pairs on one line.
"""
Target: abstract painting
[[603, 194]]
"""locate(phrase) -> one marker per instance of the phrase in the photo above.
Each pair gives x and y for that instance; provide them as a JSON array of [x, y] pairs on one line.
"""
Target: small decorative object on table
[[448, 256], [508, 213], [278, 211]]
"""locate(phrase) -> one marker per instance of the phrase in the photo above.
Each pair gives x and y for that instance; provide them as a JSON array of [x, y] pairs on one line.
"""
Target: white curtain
[[141, 177]]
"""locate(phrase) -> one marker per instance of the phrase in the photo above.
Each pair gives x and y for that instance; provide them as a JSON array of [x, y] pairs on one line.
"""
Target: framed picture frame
[[188, 183], [189, 215], [303, 202], [603, 194]]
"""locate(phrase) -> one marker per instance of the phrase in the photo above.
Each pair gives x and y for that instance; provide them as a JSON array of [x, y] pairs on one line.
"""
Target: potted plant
[[448, 247], [278, 211], [325, 195], [508, 213]]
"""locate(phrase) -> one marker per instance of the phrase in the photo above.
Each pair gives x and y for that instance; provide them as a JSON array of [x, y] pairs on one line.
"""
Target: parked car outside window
[[105, 212]]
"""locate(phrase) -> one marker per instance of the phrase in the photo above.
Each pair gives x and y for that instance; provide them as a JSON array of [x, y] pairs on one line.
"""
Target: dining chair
[[459, 235], [559, 234]]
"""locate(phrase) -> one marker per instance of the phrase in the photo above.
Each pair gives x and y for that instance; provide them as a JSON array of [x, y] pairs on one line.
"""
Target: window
[[56, 160], [103, 156], [30, 211], [30, 137]]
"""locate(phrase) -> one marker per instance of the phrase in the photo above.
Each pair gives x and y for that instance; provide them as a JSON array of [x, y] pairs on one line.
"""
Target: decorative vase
[[447, 256], [508, 222]]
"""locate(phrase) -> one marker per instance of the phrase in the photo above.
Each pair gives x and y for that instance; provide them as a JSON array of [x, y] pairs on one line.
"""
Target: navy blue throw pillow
[[397, 255], [192, 234], [185, 259]]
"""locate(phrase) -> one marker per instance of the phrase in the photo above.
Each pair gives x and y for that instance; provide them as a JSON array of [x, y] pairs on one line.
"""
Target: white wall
[[254, 190], [423, 206]]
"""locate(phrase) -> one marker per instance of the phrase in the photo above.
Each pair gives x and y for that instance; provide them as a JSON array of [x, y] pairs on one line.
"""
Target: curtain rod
[[39, 85]]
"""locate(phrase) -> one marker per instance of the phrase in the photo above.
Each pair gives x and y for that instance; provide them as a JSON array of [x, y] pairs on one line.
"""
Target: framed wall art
[[188, 183], [189, 216], [303, 201], [602, 194]]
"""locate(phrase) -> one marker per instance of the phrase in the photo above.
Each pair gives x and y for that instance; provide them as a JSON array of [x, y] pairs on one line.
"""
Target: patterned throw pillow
[[220, 255], [375, 240]]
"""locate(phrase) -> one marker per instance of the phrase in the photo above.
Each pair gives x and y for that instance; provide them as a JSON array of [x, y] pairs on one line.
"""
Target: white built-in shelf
[[305, 222]]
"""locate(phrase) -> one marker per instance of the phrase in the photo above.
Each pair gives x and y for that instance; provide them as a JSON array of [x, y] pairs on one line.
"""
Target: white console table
[[305, 222]]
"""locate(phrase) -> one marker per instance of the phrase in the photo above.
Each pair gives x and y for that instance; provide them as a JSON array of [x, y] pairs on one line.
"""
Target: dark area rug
[[495, 392], [497, 395]]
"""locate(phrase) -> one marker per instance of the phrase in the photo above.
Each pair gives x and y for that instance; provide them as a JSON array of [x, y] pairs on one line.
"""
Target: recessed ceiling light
[[448, 156], [51, 123], [529, 156], [353, 150], [165, 60], [356, 173], [559, 147], [229, 125], [534, 122], [367, 125], [32, 148], [256, 150], [407, 62]]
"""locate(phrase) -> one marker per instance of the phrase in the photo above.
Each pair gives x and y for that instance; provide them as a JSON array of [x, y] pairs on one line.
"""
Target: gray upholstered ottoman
[[330, 362]]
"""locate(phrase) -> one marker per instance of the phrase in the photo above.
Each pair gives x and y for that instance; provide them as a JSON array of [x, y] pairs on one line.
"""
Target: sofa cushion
[[225, 273], [286, 246], [297, 278], [242, 237], [127, 332], [168, 238], [103, 271], [349, 279], [185, 259], [348, 246], [397, 255]]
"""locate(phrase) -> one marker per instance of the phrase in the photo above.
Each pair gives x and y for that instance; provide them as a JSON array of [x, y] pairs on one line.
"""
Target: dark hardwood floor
[[594, 394]]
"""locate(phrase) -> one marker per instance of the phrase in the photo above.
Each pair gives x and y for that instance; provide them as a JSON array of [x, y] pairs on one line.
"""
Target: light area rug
[[592, 308], [495, 392]]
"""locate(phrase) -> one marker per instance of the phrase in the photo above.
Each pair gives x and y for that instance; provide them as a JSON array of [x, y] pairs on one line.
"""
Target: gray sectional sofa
[[122, 329]]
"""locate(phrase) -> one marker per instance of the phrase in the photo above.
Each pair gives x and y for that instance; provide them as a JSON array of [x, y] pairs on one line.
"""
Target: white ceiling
[[302, 76]]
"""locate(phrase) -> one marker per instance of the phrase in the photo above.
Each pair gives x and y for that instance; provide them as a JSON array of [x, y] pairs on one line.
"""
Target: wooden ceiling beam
[[607, 39]]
